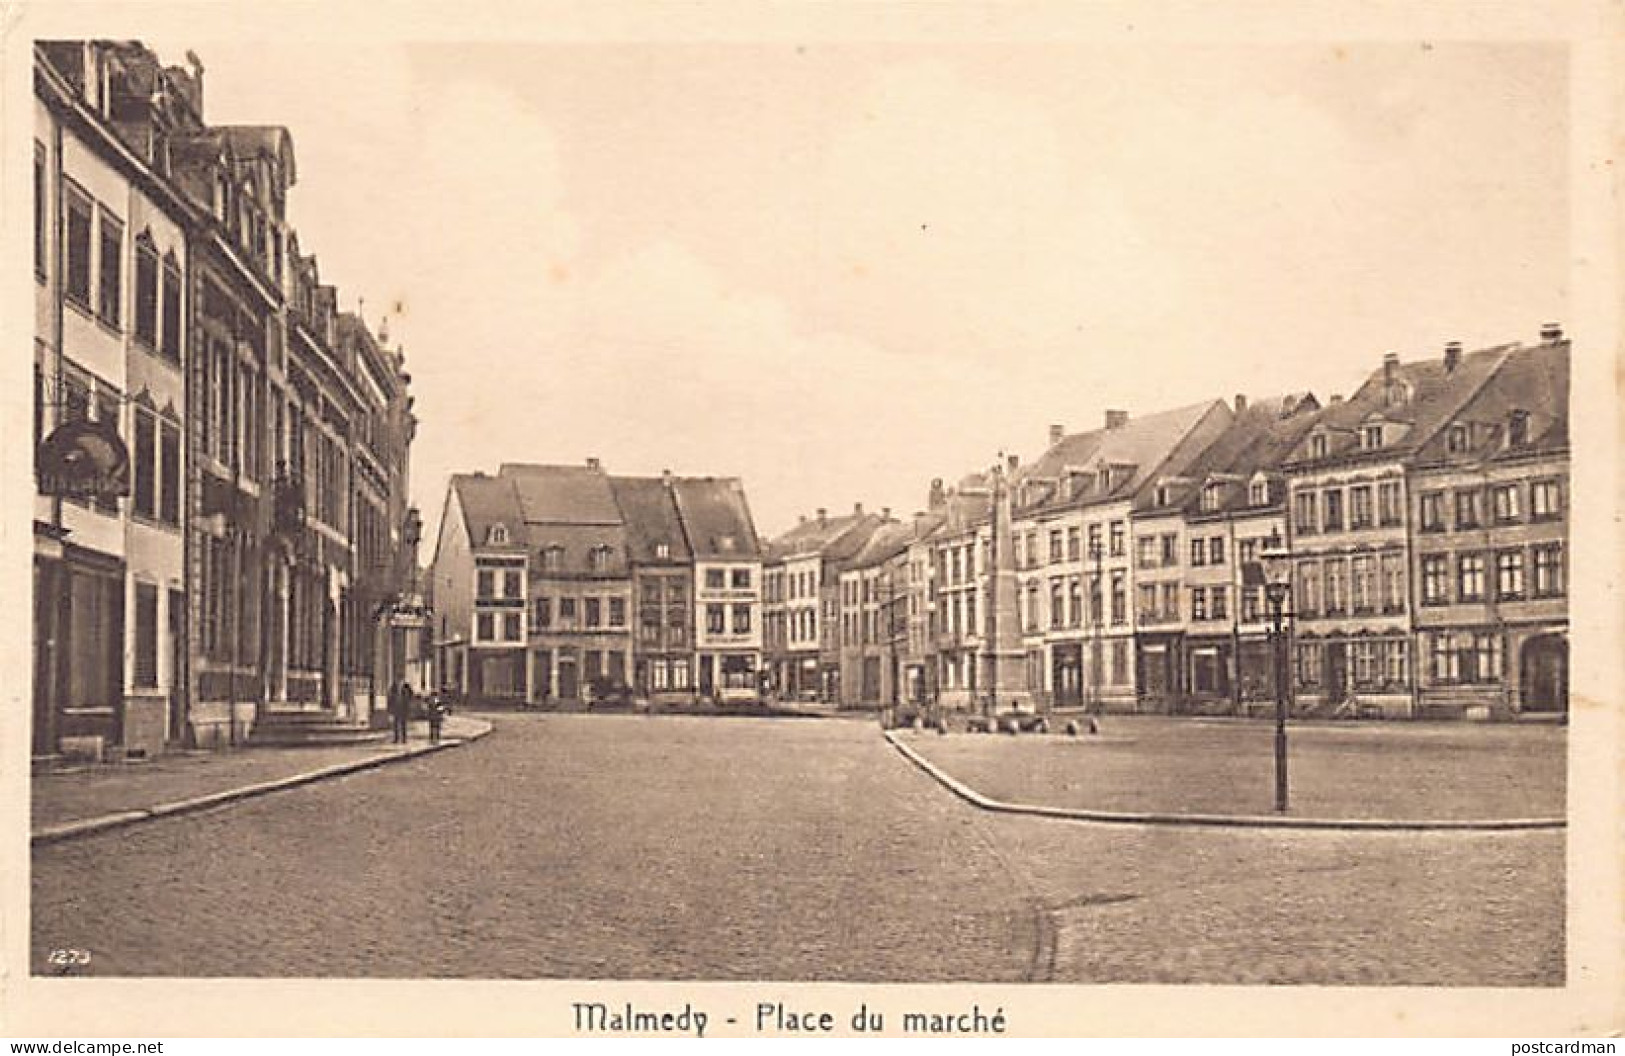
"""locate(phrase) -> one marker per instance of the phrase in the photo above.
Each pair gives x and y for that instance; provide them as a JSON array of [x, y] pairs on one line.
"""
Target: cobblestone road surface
[[627, 847]]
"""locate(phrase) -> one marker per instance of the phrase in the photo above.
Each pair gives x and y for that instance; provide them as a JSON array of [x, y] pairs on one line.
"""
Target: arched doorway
[[1544, 666]]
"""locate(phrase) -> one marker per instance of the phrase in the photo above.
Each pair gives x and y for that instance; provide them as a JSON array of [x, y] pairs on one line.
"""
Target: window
[[1146, 551], [1336, 586], [1317, 447], [77, 266], [1307, 585], [1504, 505], [169, 473], [1371, 437], [485, 627], [1548, 565], [617, 612], [1332, 519], [598, 560], [1198, 603], [1456, 440], [1470, 577], [145, 661], [1468, 512], [594, 616], [1212, 494], [542, 612], [1247, 551], [498, 535], [715, 619], [1360, 506], [1388, 503], [510, 627], [741, 619], [1250, 609], [1518, 429], [1393, 582], [1215, 550], [107, 411], [41, 228], [1362, 584], [1120, 664], [1221, 603], [1117, 539], [1147, 603], [1094, 540], [1304, 519], [171, 346], [1308, 665], [1170, 601], [1545, 500], [1365, 663], [1057, 611], [145, 457], [1074, 602], [1509, 575], [1258, 493], [567, 609], [1054, 545], [1432, 510], [1096, 601], [1435, 580], [1198, 551], [1170, 550], [110, 291], [662, 553], [714, 579], [740, 579], [1074, 543], [1119, 599], [485, 588], [146, 292], [510, 584]]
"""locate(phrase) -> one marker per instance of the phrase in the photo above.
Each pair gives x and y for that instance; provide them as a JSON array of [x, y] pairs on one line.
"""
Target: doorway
[[1544, 674]]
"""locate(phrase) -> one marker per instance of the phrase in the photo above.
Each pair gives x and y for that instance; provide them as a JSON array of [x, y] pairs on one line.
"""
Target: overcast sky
[[840, 271]]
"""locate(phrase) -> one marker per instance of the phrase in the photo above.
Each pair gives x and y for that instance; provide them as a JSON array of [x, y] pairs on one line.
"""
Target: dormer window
[[552, 559], [1258, 493], [1371, 437], [1396, 394], [726, 543], [1212, 494], [498, 536], [1162, 494], [598, 559], [662, 551], [1518, 429], [1317, 446], [1456, 440]]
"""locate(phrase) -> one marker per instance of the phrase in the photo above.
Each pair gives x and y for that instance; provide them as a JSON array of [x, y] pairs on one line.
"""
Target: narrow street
[[631, 847]]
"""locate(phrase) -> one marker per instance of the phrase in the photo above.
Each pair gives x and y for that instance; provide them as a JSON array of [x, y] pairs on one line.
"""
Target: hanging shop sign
[[84, 460]]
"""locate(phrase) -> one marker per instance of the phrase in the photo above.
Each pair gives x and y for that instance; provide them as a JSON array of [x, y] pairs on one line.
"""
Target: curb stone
[[1237, 821], [67, 830]]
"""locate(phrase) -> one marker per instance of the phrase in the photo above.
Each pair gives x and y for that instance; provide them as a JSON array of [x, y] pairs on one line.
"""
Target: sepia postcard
[[812, 520]]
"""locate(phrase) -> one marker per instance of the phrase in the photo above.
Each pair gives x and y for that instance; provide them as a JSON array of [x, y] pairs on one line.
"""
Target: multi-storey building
[[957, 591], [1349, 534], [238, 604], [727, 586], [558, 584], [868, 588], [662, 588], [1488, 510], [1232, 506], [1087, 487]]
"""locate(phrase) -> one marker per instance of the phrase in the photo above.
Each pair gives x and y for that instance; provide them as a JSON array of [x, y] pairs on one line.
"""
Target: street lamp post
[[1277, 562]]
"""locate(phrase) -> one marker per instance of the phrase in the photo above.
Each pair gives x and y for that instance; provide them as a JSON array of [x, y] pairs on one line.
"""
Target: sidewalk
[[75, 802]]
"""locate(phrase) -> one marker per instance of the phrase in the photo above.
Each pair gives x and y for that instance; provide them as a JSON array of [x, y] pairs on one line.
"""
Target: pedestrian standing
[[437, 717], [400, 711]]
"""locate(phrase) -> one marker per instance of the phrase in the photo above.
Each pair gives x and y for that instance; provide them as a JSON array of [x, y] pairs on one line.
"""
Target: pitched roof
[[716, 517], [810, 536], [563, 494], [649, 510], [889, 539], [1257, 439], [487, 501]]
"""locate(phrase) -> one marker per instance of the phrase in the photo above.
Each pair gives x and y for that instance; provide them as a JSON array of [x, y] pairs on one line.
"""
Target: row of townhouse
[[1426, 517], [221, 454], [556, 584]]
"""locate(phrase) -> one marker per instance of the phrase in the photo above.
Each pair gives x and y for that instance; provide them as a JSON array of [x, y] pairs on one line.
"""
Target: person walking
[[400, 711]]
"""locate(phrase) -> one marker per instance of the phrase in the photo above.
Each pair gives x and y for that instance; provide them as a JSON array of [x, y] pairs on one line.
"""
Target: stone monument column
[[1004, 660]]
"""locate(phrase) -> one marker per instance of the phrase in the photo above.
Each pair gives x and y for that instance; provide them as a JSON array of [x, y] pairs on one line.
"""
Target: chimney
[[1241, 402], [1337, 398], [1014, 461], [938, 497], [801, 518], [823, 515], [1116, 419], [1057, 433], [1452, 356], [1551, 332], [196, 65], [592, 463], [1390, 364], [857, 509], [885, 513], [665, 478]]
